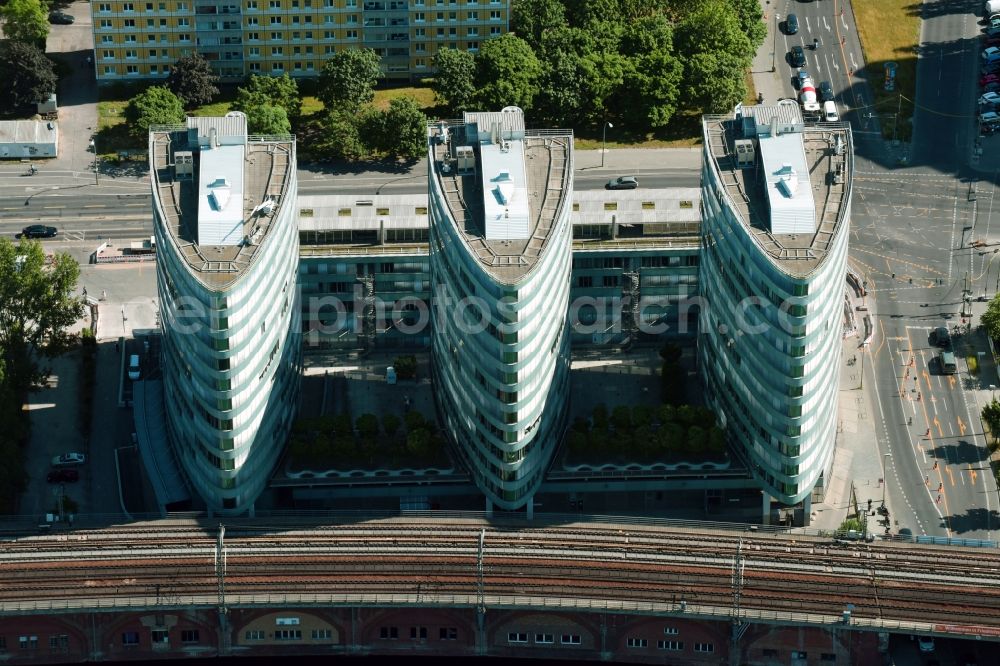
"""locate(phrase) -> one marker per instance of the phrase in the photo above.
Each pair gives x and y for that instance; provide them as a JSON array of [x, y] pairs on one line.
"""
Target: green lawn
[[890, 31]]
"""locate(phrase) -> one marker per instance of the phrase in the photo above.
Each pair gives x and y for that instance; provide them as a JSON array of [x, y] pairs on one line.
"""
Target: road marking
[[951, 476], [843, 22], [940, 429], [951, 382], [961, 425], [973, 473]]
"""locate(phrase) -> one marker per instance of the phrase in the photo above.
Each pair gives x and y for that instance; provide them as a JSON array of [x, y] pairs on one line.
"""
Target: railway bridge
[[474, 586]]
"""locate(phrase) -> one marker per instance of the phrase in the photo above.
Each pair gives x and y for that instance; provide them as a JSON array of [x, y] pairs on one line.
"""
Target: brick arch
[[404, 618], [808, 639], [44, 626], [266, 618], [530, 621], [110, 635]]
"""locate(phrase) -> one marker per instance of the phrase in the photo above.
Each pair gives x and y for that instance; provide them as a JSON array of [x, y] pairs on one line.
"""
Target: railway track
[[587, 562]]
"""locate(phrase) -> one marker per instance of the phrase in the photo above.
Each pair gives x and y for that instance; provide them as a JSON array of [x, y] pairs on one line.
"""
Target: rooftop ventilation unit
[[466, 159], [183, 165], [745, 153]]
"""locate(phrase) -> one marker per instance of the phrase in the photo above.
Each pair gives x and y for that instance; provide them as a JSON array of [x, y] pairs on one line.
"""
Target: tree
[[273, 91], [37, 307], [751, 19], [348, 79], [414, 420], [652, 80], [454, 84], [155, 106], [25, 21], [341, 138], [717, 54], [400, 130], [531, 19], [367, 425], [390, 424], [267, 120], [991, 318], [578, 77], [193, 80], [28, 76], [507, 73]]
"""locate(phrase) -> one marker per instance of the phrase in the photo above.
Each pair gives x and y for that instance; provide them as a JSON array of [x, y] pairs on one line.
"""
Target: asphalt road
[[834, 60], [82, 211], [910, 241], [947, 72]]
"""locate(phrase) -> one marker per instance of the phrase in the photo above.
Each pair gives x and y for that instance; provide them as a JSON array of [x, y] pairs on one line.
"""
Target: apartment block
[[139, 40]]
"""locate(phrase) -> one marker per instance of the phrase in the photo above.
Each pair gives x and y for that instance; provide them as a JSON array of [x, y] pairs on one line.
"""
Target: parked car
[[797, 56], [792, 24], [990, 32], [134, 369], [825, 91], [62, 476], [990, 68], [990, 53], [994, 22], [830, 114], [623, 183], [925, 643], [990, 98], [988, 78], [989, 118], [60, 18], [68, 459], [991, 87], [38, 231]]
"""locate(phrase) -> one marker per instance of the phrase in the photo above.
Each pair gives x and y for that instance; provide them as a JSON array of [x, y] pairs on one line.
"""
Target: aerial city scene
[[653, 332]]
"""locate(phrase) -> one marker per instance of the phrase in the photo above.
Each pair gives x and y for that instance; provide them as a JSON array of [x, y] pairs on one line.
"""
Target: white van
[[992, 7], [830, 114], [133, 367]]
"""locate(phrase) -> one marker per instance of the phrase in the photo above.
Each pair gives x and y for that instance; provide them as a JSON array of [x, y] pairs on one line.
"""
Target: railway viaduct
[[469, 586]]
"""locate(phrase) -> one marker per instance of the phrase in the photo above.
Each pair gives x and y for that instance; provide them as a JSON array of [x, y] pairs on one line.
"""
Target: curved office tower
[[227, 260], [500, 242], [776, 207]]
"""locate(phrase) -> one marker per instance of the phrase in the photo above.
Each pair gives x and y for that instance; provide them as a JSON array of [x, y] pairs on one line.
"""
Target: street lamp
[[774, 43], [604, 140], [97, 160], [885, 474]]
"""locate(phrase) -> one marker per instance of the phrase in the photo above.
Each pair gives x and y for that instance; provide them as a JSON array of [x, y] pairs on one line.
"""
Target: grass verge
[[890, 31]]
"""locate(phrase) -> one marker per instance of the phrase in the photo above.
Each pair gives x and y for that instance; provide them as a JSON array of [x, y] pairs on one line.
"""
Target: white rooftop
[[505, 191], [28, 131], [789, 192], [220, 195]]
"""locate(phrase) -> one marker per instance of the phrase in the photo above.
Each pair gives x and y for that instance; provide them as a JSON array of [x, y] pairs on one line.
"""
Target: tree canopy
[[28, 76], [454, 84], [193, 80], [507, 73], [991, 318], [266, 119], [530, 20], [25, 21], [348, 79], [275, 91], [154, 106], [37, 307]]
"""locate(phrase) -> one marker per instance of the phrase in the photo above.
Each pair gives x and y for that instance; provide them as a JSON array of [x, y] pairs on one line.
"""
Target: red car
[[63, 476], [989, 78]]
